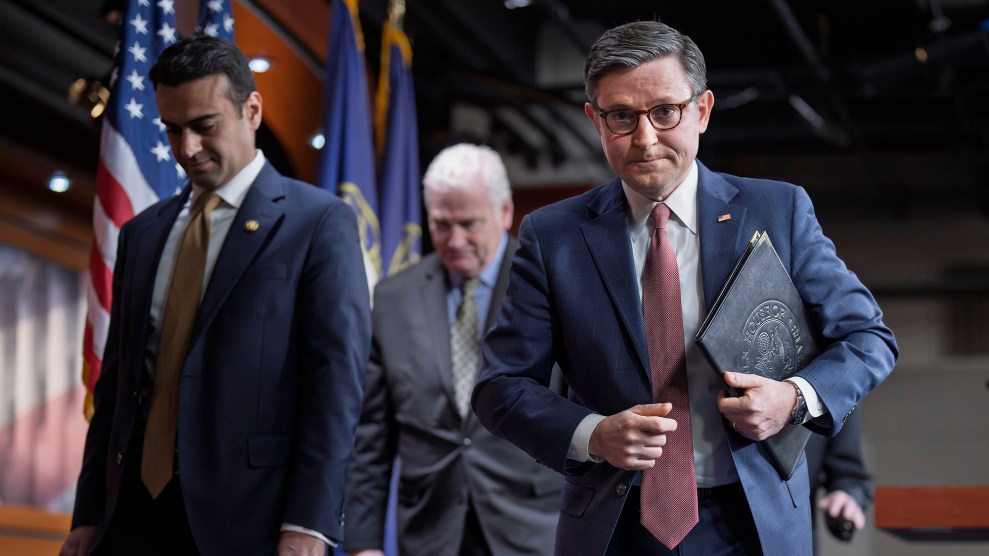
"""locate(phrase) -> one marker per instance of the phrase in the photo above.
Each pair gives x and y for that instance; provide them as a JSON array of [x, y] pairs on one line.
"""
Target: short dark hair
[[201, 56], [633, 44]]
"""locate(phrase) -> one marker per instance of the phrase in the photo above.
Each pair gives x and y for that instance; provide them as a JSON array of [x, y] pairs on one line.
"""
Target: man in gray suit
[[461, 491]]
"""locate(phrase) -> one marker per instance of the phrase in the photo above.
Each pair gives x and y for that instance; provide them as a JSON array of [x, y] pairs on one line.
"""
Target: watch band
[[799, 412]]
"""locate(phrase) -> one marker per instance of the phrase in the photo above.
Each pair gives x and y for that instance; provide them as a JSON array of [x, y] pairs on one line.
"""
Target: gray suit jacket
[[409, 411]]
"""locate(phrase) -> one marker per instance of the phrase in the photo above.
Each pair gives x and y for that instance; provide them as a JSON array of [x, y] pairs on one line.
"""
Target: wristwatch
[[799, 414]]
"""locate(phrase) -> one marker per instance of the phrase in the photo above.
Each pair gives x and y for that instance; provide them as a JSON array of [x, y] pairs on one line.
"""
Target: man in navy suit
[[269, 386], [575, 298]]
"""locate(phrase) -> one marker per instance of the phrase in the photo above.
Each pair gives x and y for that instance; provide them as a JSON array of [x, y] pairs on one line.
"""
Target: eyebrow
[[194, 121], [652, 104]]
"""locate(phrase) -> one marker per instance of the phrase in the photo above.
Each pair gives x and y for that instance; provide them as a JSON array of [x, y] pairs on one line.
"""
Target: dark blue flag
[[347, 162], [398, 151]]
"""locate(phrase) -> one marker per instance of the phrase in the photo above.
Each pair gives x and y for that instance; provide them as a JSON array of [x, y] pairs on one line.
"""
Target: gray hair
[[465, 164], [634, 44]]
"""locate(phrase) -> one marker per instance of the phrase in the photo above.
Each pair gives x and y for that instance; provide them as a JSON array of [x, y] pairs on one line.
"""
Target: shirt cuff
[[582, 437], [814, 406], [308, 531]]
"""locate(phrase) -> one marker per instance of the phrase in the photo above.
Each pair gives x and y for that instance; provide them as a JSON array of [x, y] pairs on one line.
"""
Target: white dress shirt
[[231, 196]]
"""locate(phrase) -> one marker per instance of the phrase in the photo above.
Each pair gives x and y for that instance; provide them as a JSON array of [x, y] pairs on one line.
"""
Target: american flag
[[216, 20], [136, 164]]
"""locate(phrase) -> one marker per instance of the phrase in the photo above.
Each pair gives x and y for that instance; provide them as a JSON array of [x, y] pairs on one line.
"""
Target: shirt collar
[[682, 203], [234, 191]]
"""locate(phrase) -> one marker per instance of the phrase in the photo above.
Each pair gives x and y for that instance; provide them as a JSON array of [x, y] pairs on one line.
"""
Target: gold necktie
[[181, 305]]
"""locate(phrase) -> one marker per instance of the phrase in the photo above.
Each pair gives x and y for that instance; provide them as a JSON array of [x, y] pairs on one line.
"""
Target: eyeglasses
[[624, 121]]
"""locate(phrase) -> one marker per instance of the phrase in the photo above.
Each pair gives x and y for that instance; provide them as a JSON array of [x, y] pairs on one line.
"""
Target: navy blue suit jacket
[[573, 299], [270, 391]]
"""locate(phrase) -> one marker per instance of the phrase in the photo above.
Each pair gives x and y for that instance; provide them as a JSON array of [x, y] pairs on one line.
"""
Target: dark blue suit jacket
[[270, 391], [573, 299]]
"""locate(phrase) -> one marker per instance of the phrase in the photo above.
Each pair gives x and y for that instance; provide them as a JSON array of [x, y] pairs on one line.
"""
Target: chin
[[204, 181], [463, 269], [655, 182]]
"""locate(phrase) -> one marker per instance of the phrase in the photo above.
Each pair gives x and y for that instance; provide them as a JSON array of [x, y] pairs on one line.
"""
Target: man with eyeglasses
[[613, 284]]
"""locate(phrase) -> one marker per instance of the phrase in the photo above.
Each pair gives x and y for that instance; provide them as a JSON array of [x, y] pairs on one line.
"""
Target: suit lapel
[[719, 235], [148, 241], [502, 282], [146, 244], [261, 204], [432, 300], [607, 239], [471, 422]]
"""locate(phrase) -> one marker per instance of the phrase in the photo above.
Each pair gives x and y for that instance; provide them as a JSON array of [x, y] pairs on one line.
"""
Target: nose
[[645, 135], [189, 144], [458, 237]]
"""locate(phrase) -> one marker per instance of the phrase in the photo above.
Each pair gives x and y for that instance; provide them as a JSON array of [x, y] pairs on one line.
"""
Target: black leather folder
[[758, 325]]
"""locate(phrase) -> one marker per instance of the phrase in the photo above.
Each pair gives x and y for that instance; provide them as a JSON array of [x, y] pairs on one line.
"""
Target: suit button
[[120, 458], [466, 442], [621, 489]]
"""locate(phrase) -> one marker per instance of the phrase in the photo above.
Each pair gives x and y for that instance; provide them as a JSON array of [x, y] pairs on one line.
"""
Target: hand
[[764, 407], [367, 552], [840, 505], [634, 438], [292, 543], [78, 541]]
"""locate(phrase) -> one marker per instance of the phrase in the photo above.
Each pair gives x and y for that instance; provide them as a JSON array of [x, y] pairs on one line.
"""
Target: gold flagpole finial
[[396, 13]]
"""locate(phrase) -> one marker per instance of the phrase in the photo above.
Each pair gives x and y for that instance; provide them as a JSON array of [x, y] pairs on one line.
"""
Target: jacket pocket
[[575, 498]]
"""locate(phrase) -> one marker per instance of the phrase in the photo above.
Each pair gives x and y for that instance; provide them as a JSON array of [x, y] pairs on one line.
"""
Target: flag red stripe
[[116, 203], [101, 276]]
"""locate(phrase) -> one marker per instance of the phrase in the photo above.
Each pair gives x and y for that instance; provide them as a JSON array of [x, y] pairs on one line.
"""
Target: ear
[[253, 109], [507, 212], [705, 103], [592, 114]]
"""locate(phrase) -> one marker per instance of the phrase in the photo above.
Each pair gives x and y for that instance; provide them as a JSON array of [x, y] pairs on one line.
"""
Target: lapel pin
[[252, 225], [724, 217]]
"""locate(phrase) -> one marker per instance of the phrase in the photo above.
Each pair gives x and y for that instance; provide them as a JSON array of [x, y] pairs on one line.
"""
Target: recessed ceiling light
[[317, 141], [59, 182], [259, 64]]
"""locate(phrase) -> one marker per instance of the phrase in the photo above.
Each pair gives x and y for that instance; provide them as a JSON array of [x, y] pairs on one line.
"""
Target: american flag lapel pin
[[724, 217]]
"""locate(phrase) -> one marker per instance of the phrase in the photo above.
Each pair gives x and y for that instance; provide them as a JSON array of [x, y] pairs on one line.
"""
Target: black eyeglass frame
[[638, 115]]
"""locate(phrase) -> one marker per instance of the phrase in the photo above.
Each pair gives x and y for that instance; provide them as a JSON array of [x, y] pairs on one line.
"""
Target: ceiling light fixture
[[91, 94], [59, 182], [259, 64]]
